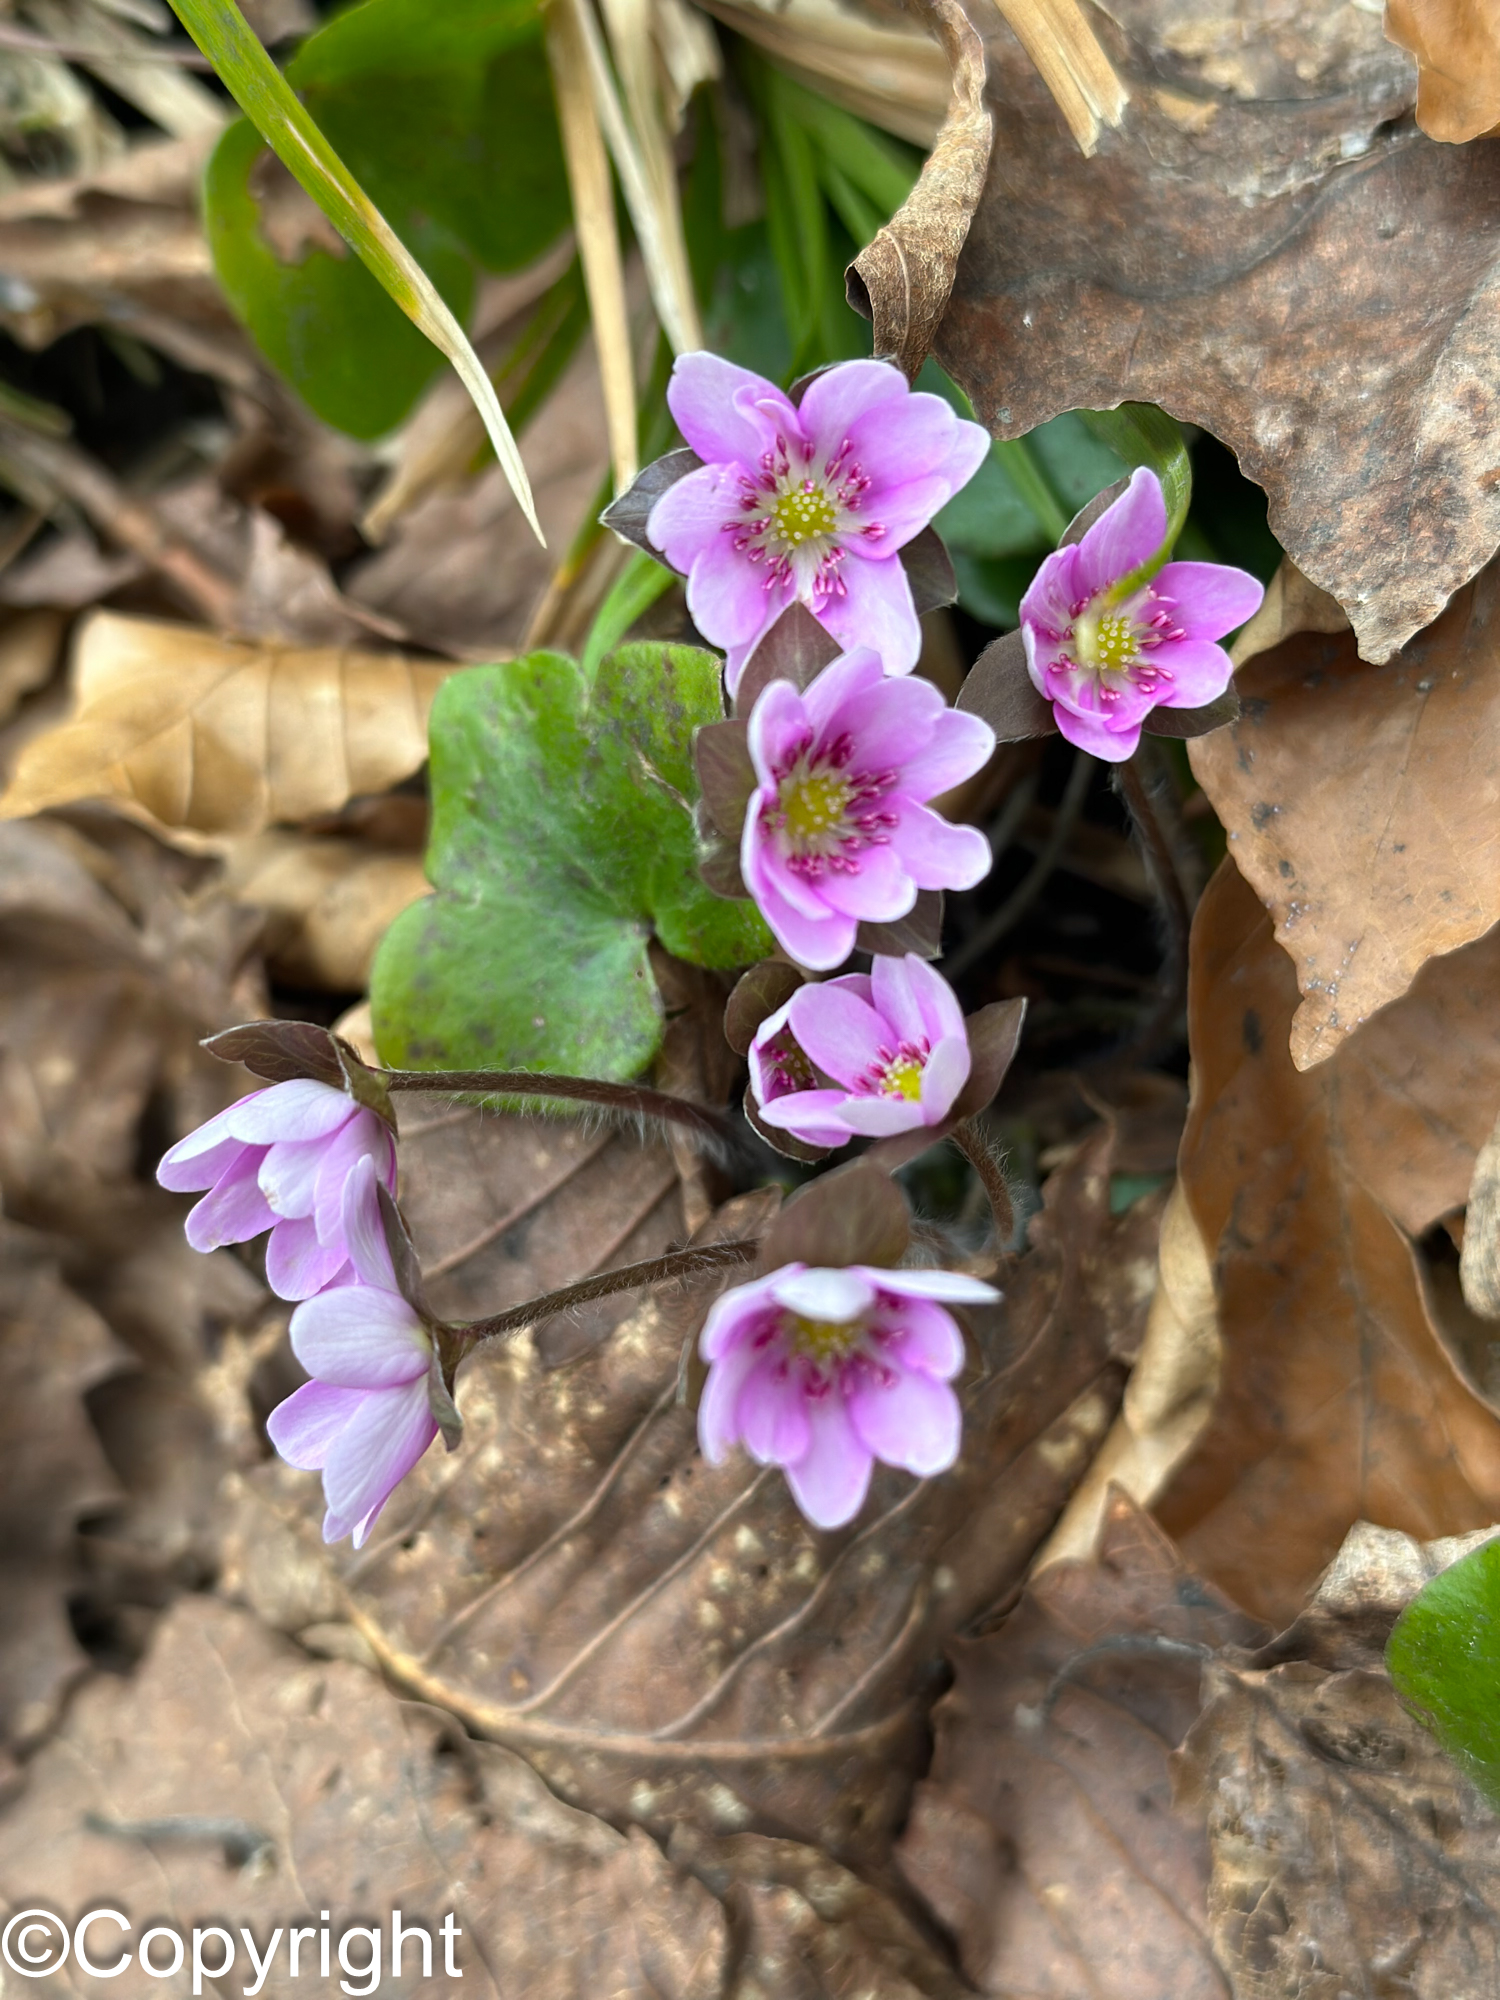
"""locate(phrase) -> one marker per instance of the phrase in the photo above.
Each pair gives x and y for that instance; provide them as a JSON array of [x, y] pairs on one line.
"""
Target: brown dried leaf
[[327, 903], [203, 735], [1045, 1837], [1266, 250], [1338, 1399], [670, 1642], [52, 1350], [230, 1743], [1457, 47], [1381, 849], [1349, 1854], [902, 278]]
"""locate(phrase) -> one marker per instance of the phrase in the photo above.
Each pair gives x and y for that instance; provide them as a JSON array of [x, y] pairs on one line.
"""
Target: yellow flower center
[[903, 1078], [813, 803], [823, 1340], [804, 514], [1108, 641]]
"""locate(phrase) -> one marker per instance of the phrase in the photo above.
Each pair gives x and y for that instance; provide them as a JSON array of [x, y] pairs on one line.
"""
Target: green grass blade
[[268, 101]]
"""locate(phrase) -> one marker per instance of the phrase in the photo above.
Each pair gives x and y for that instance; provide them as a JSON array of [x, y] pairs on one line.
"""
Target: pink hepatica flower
[[836, 829], [809, 501], [823, 1372], [862, 1055], [1104, 665], [363, 1421], [278, 1160]]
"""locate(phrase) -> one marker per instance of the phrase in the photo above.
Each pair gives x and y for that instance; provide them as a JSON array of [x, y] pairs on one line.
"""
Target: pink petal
[[816, 1117], [718, 1424], [299, 1109], [1210, 599], [955, 1286], [726, 412], [880, 1117], [839, 1031], [835, 699], [917, 1001], [735, 1314], [289, 1175], [766, 867], [689, 517], [1052, 593], [297, 1264], [1127, 533], [961, 744], [834, 405], [235, 1210], [935, 854], [373, 1454], [359, 1338], [875, 609], [879, 886], [306, 1426], [922, 1336], [821, 942], [889, 722], [198, 1160], [1200, 671], [778, 730], [1089, 732], [365, 1137], [836, 1295], [771, 1412], [945, 1075], [830, 1483], [728, 595], [905, 1419]]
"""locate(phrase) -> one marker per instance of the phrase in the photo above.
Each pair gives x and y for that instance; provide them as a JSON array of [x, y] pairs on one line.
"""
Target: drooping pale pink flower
[[1106, 661], [278, 1160], [810, 501], [865, 1055], [363, 1421], [823, 1371], [836, 829]]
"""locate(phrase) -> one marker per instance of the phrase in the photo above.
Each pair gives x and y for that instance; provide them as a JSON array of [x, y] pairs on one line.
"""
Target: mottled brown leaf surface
[[1338, 1400], [1270, 250], [1363, 803], [52, 1350], [351, 1801], [1457, 47], [1350, 1856], [1045, 1837], [667, 1641]]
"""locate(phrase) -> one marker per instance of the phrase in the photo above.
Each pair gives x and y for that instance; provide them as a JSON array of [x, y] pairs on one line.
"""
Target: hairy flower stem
[[976, 1149], [631, 1100], [1161, 868], [690, 1263]]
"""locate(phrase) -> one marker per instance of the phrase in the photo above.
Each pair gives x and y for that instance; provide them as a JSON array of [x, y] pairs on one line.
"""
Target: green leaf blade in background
[[1444, 1657], [562, 838]]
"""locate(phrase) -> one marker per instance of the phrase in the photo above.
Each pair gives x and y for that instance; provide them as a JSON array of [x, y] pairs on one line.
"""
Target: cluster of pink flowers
[[803, 499]]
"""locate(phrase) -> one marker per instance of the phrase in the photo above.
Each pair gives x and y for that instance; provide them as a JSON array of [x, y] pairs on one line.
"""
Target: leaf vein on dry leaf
[[911, 1624], [493, 1231]]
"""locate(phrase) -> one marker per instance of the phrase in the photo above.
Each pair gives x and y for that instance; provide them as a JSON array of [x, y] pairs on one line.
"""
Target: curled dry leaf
[[1382, 850], [1479, 1254], [1267, 249], [1457, 47], [1338, 1398], [1349, 1853], [327, 903], [668, 1641], [235, 1772], [201, 735], [1045, 1838], [901, 279]]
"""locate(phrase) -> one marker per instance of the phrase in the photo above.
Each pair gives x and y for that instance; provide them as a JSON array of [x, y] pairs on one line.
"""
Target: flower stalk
[[690, 1263]]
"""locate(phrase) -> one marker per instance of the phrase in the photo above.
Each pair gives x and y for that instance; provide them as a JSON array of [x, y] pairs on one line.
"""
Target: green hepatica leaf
[[1444, 1657], [445, 113], [562, 837], [317, 314]]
